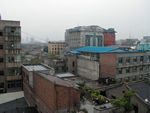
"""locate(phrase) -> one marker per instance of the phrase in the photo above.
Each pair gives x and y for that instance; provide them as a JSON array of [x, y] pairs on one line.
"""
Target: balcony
[[13, 64], [14, 77], [13, 51], [1, 39], [1, 53], [2, 79], [13, 38]]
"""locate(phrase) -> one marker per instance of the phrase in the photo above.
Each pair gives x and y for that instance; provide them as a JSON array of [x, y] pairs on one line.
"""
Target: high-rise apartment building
[[10, 56], [89, 36], [84, 36]]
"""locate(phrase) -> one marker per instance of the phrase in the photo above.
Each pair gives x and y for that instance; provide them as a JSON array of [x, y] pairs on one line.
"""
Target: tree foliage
[[125, 101], [45, 49], [94, 93], [36, 60]]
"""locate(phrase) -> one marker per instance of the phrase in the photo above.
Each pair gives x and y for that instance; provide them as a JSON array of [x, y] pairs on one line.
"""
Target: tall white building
[[84, 36]]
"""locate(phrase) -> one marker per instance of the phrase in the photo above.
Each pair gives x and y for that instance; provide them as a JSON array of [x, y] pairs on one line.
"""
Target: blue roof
[[96, 49], [126, 51], [93, 49]]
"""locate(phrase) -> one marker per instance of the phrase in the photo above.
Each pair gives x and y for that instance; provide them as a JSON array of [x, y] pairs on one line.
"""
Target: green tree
[[45, 49], [125, 101], [36, 60]]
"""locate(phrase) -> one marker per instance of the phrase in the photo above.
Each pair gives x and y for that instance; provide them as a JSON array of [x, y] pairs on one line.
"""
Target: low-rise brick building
[[109, 62], [47, 92]]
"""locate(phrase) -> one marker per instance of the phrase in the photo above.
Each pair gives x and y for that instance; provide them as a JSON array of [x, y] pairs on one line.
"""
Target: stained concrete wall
[[88, 69]]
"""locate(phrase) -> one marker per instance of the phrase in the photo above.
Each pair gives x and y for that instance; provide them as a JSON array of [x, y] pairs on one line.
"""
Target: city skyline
[[48, 20]]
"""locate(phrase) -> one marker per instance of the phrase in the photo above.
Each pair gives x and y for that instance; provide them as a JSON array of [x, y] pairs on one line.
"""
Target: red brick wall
[[48, 97], [107, 65], [68, 98], [45, 93], [29, 95], [109, 39], [54, 97]]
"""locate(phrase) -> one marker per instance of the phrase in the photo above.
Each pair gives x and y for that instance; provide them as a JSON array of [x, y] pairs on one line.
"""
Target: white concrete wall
[[88, 69]]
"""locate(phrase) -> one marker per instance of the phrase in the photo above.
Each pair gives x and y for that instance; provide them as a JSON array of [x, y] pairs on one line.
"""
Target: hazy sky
[[48, 19]]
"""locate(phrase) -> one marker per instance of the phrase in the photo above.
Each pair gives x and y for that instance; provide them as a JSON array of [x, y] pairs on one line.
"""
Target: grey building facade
[[117, 64], [10, 56], [84, 36]]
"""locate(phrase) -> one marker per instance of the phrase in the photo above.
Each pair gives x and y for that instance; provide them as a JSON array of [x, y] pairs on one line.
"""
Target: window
[[128, 60], [1, 60], [134, 78], [120, 80], [1, 46], [15, 84], [120, 71], [141, 76], [141, 68], [141, 58], [13, 71], [15, 31], [134, 59], [134, 69], [1, 33], [1, 85], [146, 68], [127, 79], [73, 64], [11, 59], [120, 60], [148, 58], [123, 91], [1, 72], [127, 70], [87, 40]]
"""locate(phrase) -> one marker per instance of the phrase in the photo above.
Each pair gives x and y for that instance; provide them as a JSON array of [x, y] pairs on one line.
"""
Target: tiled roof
[[142, 89]]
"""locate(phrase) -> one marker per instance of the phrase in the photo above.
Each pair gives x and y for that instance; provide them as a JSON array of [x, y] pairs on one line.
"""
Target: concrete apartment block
[[10, 56]]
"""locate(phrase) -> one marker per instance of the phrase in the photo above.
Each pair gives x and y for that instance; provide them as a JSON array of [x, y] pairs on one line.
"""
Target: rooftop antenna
[[0, 16]]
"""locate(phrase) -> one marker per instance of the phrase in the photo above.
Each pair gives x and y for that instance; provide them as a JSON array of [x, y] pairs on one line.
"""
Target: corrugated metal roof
[[92, 49], [96, 49]]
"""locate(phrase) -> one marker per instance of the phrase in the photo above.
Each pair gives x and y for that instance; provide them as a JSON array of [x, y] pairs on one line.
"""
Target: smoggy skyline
[[48, 19]]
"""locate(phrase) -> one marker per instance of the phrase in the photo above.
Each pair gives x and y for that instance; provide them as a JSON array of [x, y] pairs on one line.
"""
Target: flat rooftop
[[56, 80], [17, 106], [38, 67], [65, 75], [7, 97]]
